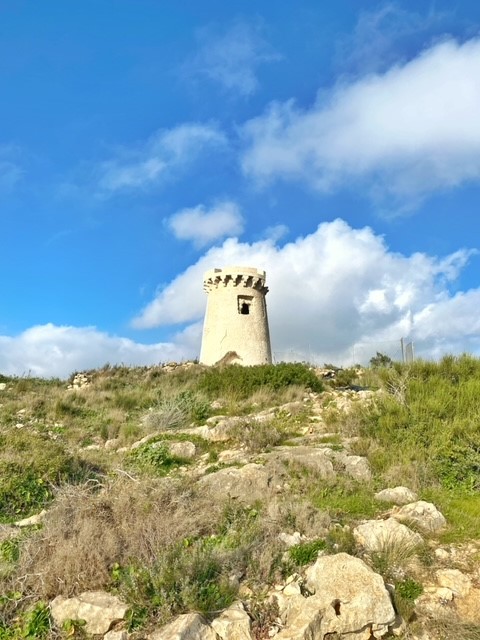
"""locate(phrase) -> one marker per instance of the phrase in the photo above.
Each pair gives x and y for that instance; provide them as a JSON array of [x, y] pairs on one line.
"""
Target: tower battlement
[[236, 317], [235, 277]]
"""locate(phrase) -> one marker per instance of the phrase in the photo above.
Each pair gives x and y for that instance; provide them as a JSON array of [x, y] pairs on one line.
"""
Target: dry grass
[[90, 530]]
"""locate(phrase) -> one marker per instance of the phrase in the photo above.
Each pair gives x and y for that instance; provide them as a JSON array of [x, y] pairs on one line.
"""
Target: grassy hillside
[[135, 521]]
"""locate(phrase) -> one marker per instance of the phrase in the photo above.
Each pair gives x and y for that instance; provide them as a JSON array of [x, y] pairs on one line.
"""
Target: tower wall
[[236, 317]]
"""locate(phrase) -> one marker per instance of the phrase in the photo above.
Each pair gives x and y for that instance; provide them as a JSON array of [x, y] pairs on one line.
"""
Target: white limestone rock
[[99, 609], [397, 495], [351, 596], [248, 483], [379, 535], [233, 623], [455, 580], [190, 626], [424, 514], [186, 449]]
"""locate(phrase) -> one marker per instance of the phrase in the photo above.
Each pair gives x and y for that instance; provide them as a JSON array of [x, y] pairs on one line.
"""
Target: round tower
[[236, 323]]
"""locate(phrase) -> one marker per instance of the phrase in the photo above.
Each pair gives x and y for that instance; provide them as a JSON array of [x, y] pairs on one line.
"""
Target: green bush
[[244, 381], [154, 458], [306, 552], [431, 415], [31, 467]]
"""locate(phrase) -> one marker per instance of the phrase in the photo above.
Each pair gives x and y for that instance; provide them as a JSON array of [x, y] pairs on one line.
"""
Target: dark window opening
[[244, 304]]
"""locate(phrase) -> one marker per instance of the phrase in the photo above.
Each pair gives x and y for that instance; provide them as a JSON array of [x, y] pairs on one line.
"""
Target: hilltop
[[287, 501]]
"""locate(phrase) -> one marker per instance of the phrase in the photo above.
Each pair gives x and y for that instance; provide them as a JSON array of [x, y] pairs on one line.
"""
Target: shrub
[[154, 457], [306, 552], [25, 488], [244, 381]]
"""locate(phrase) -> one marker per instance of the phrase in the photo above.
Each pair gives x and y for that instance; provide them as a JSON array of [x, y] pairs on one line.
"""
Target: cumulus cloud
[[203, 226], [231, 59], [56, 351], [335, 288], [167, 151], [400, 135]]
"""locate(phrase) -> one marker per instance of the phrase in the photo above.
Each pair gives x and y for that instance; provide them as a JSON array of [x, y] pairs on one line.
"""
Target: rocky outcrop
[[381, 535], [190, 626], [423, 514], [100, 610], [247, 484], [233, 623], [397, 495]]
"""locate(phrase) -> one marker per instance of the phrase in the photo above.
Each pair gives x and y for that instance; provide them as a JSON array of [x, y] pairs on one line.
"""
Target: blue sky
[[334, 144]]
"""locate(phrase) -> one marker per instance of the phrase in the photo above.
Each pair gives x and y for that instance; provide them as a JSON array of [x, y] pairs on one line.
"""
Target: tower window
[[244, 304]]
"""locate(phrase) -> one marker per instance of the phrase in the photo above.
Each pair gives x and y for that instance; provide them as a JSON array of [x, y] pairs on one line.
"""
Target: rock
[[455, 580], [312, 458], [112, 444], [3, 386], [38, 518], [397, 495], [233, 623], [116, 635], [304, 620], [100, 610], [351, 596], [356, 467], [248, 483], [186, 449], [424, 514], [290, 539], [190, 626], [383, 535]]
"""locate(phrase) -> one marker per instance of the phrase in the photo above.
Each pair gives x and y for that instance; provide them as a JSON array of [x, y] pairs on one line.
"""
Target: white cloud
[[203, 226], [330, 293], [232, 58], [401, 135], [333, 289], [167, 151], [54, 351]]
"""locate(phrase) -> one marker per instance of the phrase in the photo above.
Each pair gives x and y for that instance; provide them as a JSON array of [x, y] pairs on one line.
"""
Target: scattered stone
[[190, 626], [312, 458], [291, 539], [100, 610], [424, 514], [112, 444], [380, 535], [32, 521], [455, 580], [233, 623], [185, 449], [397, 495], [249, 483], [116, 635], [356, 467]]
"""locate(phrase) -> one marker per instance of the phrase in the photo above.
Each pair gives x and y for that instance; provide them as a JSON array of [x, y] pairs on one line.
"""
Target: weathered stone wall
[[236, 323]]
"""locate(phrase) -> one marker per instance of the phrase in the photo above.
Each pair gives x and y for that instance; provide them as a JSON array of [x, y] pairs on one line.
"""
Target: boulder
[[356, 467], [455, 580], [424, 514], [384, 535], [185, 449], [100, 610], [312, 458], [397, 495], [233, 623], [351, 596], [248, 483], [190, 626]]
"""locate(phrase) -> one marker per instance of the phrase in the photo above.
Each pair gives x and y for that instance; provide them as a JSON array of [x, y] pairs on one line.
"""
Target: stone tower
[[236, 323]]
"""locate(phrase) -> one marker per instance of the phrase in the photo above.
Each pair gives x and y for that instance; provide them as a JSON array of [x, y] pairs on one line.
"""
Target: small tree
[[380, 360]]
